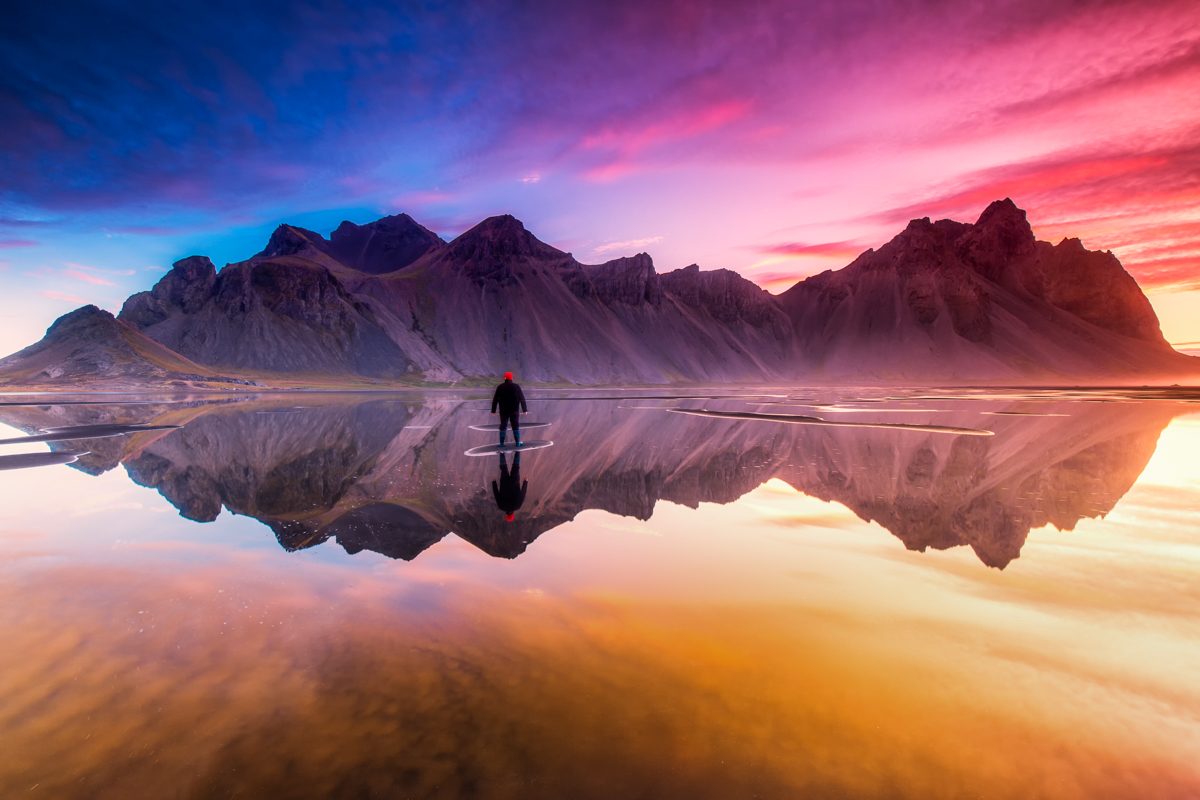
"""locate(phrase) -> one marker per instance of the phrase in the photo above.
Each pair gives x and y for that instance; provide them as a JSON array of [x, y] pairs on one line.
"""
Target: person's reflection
[[510, 494]]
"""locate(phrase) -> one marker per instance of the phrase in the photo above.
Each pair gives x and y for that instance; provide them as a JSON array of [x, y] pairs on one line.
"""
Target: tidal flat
[[948, 593]]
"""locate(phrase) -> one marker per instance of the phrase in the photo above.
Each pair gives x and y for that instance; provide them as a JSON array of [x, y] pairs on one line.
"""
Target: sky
[[778, 138]]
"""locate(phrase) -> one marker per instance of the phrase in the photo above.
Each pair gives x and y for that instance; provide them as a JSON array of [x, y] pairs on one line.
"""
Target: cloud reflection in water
[[728, 656]]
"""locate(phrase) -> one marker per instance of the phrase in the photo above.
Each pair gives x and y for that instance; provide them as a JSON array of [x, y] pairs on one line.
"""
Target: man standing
[[511, 401]]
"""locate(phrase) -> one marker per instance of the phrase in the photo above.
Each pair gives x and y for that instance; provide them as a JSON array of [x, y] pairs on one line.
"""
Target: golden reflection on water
[[773, 647]]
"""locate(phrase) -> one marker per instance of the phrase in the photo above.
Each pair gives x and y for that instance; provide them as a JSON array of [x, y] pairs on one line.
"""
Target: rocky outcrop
[[631, 281], [385, 245], [185, 288], [1092, 286], [728, 298], [274, 313]]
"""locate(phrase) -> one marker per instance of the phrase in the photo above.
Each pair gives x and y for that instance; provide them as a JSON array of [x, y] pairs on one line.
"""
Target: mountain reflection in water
[[750, 636], [390, 476]]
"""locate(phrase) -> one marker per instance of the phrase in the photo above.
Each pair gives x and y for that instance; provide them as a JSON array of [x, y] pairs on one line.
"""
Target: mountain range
[[391, 302]]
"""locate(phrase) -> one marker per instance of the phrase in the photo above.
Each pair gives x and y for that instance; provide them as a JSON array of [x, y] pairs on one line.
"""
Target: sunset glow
[[651, 652], [776, 139]]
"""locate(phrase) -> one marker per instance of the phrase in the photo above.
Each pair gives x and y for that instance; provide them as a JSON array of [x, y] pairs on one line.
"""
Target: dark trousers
[[505, 421]]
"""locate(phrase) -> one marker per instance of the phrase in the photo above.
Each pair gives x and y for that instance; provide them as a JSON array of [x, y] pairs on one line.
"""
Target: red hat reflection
[[509, 518]]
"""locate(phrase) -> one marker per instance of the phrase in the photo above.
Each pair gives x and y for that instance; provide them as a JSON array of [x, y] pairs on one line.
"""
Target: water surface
[[319, 595]]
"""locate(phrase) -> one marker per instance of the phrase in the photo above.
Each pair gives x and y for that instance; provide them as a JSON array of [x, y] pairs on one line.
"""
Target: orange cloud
[[846, 250], [776, 282], [1145, 209]]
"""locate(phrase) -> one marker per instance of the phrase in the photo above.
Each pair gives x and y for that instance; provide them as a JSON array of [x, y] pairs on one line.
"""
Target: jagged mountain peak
[[498, 225], [956, 289], [287, 240], [193, 268], [1004, 213], [83, 324], [186, 286], [392, 222], [1000, 238], [501, 237], [386, 245]]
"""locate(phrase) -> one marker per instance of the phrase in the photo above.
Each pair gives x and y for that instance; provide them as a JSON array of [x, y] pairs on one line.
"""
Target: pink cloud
[[98, 269], [12, 243], [621, 147], [817, 118], [1024, 181], [629, 245], [83, 276], [62, 296]]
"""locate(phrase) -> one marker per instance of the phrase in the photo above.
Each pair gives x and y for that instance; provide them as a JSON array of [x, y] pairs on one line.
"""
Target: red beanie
[[508, 376], [509, 518]]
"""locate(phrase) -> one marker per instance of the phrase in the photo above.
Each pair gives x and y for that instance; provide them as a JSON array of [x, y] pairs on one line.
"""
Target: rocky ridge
[[986, 300], [944, 301]]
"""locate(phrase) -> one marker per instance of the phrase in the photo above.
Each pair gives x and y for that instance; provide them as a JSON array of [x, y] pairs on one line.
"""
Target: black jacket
[[509, 398]]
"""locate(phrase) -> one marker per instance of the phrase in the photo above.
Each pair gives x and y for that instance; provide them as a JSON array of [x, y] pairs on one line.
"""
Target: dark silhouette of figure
[[510, 493], [511, 401]]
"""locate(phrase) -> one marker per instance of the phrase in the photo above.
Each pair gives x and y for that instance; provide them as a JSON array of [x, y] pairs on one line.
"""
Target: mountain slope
[[497, 299], [942, 302], [91, 343], [279, 313], [985, 301]]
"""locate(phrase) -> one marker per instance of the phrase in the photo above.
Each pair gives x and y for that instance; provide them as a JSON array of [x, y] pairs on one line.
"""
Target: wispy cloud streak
[[708, 123]]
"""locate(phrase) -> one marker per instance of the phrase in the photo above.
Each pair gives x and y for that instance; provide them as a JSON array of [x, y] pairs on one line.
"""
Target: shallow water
[[318, 595]]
